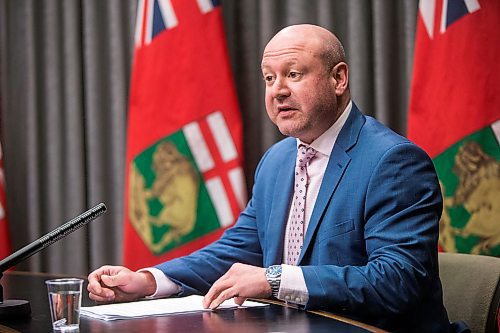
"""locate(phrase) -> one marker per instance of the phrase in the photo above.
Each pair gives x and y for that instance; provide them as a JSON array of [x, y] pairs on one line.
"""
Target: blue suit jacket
[[370, 250]]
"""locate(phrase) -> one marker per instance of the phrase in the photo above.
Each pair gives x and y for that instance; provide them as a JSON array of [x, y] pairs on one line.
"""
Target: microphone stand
[[13, 308], [20, 308]]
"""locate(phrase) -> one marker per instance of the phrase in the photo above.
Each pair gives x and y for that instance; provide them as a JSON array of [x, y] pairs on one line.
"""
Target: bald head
[[316, 39], [306, 79]]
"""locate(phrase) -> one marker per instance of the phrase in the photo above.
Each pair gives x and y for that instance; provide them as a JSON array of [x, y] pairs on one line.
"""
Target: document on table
[[156, 307]]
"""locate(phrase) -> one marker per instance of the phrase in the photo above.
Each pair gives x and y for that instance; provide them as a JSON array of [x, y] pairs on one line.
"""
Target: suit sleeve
[[402, 209]]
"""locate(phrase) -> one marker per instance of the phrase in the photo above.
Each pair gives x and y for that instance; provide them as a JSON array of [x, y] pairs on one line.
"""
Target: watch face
[[273, 276], [274, 271]]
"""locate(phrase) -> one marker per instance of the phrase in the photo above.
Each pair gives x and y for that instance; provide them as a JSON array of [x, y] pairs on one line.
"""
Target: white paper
[[156, 307]]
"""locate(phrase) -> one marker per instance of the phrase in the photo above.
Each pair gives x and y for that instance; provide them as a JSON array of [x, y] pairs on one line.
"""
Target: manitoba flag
[[455, 116], [184, 177], [4, 230]]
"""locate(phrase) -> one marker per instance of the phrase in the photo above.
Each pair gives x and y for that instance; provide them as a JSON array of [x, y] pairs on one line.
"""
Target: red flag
[[4, 230], [184, 178], [455, 116]]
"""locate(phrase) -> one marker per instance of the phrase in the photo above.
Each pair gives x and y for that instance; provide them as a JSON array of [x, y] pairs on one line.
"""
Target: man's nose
[[280, 88]]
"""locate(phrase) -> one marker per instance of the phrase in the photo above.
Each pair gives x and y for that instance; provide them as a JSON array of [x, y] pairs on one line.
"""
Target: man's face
[[300, 90]]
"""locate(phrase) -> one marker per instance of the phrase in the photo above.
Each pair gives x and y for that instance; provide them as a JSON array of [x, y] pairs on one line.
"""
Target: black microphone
[[21, 308], [51, 237]]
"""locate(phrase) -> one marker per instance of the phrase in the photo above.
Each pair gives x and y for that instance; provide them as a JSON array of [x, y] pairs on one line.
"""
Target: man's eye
[[268, 78], [294, 75]]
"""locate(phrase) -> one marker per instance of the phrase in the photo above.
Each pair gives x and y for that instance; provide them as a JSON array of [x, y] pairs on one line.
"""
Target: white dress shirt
[[293, 286]]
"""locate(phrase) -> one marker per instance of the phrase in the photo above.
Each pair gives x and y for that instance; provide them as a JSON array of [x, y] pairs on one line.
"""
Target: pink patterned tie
[[296, 226]]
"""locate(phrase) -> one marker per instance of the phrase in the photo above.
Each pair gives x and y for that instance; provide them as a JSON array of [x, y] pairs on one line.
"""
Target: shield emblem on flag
[[469, 173], [176, 189]]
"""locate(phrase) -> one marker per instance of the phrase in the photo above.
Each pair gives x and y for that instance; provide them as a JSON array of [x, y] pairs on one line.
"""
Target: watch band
[[273, 276]]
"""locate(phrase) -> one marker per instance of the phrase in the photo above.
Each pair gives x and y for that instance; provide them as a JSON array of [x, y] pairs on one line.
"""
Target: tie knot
[[304, 155]]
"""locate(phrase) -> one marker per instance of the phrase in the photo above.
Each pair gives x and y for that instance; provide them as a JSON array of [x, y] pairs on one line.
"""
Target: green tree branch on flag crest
[[184, 178], [455, 116]]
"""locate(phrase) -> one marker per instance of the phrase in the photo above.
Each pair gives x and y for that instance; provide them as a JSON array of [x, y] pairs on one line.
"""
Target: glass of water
[[65, 299]]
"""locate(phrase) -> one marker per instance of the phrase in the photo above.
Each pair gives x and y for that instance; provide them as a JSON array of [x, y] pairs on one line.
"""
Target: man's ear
[[340, 74]]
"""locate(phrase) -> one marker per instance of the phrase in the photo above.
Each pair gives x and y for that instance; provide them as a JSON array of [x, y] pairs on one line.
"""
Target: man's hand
[[240, 281], [119, 284]]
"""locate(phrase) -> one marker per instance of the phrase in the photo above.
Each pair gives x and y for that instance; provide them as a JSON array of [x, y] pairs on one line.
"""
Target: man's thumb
[[111, 280]]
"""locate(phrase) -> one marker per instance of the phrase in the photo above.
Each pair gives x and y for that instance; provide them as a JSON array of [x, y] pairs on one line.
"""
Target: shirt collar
[[325, 142]]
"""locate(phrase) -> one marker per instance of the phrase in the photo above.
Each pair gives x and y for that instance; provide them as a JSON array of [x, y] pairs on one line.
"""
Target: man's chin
[[290, 131]]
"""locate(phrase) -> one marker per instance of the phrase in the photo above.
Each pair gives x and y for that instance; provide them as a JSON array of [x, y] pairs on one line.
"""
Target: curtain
[[65, 67], [378, 37], [64, 78]]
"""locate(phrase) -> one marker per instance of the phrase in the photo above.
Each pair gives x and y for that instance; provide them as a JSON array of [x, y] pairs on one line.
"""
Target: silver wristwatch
[[273, 276]]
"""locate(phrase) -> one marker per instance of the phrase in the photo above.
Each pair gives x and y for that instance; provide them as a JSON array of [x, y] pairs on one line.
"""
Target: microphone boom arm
[[20, 308], [51, 237]]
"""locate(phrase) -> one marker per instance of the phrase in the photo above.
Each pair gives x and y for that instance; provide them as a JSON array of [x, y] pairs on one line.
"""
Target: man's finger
[[94, 287], [224, 295], [102, 299], [218, 287], [239, 300], [114, 280], [94, 279], [101, 292]]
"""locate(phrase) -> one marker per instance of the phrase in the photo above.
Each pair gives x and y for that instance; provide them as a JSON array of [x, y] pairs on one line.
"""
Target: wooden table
[[277, 317]]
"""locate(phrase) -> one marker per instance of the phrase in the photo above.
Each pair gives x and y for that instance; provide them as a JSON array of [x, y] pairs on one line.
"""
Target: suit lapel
[[280, 209], [334, 171], [339, 160]]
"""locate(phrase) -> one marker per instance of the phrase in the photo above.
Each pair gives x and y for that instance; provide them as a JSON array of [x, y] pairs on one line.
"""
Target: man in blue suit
[[348, 226]]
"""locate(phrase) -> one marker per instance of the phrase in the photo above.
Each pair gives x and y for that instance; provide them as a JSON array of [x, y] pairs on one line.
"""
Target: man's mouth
[[286, 108]]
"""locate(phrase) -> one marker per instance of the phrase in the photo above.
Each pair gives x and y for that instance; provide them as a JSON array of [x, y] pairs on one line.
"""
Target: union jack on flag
[[451, 11], [156, 16]]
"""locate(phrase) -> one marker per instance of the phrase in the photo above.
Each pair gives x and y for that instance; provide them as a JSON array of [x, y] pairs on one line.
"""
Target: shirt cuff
[[293, 286], [164, 286]]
